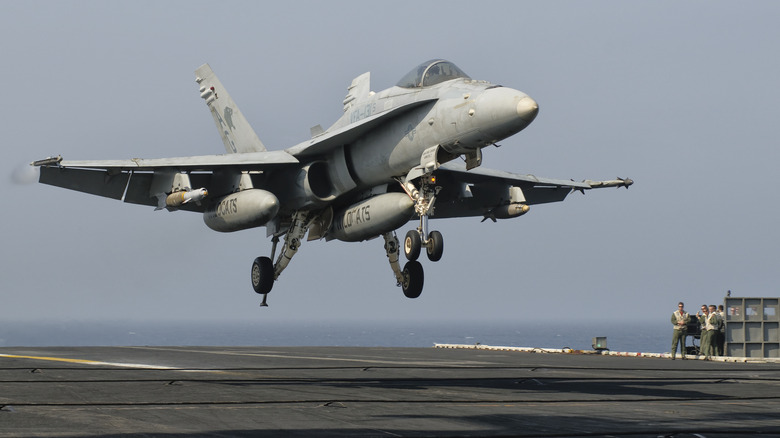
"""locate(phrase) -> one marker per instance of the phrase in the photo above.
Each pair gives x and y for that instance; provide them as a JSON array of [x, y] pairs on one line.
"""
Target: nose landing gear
[[434, 245], [412, 277]]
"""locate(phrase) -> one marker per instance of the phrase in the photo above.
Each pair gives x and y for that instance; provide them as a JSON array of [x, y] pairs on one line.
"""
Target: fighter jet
[[407, 153]]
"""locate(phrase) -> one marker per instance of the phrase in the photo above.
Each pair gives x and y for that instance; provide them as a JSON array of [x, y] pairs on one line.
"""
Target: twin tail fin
[[237, 134]]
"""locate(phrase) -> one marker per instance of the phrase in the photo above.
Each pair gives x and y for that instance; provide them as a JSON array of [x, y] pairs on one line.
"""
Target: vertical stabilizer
[[359, 89], [234, 129]]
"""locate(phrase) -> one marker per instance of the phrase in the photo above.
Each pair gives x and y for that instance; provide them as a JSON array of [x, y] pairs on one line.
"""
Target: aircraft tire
[[412, 245], [435, 246], [262, 275], [414, 277]]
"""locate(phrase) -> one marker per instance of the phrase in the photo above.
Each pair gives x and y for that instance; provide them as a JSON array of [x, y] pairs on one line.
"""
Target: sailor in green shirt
[[716, 321], [708, 323], [680, 319]]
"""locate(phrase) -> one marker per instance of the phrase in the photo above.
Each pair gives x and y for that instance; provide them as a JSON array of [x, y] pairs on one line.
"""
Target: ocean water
[[654, 337]]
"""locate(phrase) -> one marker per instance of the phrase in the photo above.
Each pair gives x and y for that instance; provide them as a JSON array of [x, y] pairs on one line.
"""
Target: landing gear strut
[[415, 240], [412, 276]]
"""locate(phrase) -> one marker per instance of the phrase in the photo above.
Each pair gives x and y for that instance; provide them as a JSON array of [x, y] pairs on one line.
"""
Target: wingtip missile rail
[[619, 182], [48, 161]]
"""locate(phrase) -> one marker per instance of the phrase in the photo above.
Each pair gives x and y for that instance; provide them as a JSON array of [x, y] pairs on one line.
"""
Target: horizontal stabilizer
[[87, 181]]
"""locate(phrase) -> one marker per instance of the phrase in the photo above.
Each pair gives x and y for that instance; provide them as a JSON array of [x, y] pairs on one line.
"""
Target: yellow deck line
[[87, 362]]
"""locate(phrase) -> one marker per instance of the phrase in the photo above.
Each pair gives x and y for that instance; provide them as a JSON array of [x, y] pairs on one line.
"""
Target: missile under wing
[[410, 152]]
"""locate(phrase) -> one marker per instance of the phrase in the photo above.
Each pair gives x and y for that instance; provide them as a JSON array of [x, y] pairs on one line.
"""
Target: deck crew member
[[680, 319], [706, 321], [717, 324], [721, 333]]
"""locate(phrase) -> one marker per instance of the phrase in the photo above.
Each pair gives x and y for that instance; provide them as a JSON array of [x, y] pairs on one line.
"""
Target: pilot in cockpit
[[433, 71]]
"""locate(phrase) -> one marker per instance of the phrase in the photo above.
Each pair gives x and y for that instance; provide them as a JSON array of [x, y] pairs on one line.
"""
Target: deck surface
[[376, 392]]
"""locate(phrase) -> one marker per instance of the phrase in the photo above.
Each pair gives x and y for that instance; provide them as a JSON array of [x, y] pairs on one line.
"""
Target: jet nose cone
[[527, 109], [500, 112]]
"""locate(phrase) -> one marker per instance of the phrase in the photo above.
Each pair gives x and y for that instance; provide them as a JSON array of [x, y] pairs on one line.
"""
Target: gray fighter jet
[[409, 152]]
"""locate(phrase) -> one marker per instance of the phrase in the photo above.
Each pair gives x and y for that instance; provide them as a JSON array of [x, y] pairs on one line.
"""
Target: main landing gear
[[264, 271], [263, 277], [410, 278]]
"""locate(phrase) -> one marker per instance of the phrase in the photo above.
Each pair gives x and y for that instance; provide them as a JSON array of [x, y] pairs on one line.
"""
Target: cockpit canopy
[[430, 73]]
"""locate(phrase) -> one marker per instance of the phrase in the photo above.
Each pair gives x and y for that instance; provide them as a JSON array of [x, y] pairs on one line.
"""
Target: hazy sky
[[681, 96]]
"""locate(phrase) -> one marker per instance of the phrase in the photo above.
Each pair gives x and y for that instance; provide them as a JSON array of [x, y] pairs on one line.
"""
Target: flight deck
[[377, 392]]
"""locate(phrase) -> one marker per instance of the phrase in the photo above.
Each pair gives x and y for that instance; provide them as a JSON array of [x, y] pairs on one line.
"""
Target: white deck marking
[[335, 359]]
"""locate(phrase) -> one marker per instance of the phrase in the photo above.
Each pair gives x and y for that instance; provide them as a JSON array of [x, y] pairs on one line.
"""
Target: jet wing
[[134, 180], [245, 161], [478, 192]]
